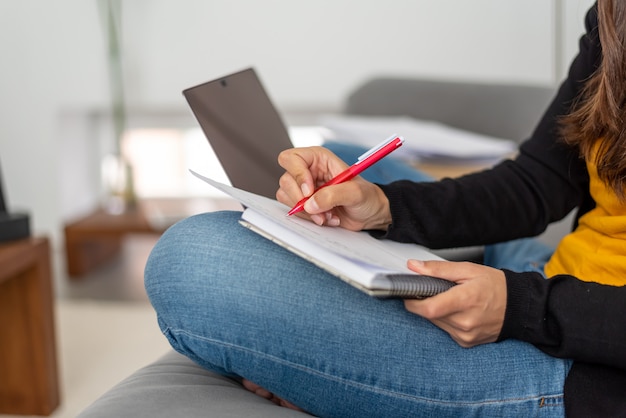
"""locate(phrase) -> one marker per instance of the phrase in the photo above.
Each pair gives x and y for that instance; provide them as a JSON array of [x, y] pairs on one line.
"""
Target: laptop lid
[[244, 129]]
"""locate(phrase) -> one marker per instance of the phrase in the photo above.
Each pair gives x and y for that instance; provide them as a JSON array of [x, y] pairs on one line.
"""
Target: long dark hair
[[601, 110]]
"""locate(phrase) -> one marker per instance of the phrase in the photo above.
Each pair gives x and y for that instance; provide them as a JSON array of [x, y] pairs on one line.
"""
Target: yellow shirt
[[596, 250]]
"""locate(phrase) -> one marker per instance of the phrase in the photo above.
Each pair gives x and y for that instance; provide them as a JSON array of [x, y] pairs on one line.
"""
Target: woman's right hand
[[356, 204]]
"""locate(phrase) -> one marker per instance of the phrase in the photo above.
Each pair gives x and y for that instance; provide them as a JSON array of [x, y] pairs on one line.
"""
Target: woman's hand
[[356, 204], [471, 312]]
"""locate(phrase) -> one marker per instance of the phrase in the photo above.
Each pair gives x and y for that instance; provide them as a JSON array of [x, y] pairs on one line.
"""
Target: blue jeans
[[385, 171], [242, 306]]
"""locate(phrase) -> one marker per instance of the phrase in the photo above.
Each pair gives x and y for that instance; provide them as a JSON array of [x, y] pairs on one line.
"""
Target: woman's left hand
[[471, 312]]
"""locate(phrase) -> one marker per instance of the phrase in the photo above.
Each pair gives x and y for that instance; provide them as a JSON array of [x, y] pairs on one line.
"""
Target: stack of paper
[[424, 140]]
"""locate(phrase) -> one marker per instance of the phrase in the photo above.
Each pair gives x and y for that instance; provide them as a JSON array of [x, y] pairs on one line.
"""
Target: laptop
[[244, 129]]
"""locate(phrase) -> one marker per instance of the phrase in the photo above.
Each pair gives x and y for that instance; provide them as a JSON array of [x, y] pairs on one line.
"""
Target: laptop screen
[[244, 129]]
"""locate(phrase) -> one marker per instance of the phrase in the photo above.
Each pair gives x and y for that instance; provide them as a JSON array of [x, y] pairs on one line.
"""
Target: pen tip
[[295, 209]]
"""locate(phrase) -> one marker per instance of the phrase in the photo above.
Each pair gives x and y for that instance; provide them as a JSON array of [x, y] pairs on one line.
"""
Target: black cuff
[[524, 307]]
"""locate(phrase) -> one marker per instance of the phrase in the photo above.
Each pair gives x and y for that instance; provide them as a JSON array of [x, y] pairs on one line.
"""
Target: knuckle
[[466, 325], [281, 196], [284, 180], [284, 156], [430, 311]]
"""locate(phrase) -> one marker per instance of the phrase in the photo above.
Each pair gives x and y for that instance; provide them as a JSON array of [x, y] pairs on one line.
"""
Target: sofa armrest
[[174, 386]]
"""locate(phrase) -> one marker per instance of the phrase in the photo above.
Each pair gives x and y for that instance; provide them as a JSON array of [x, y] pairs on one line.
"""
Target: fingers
[[453, 271], [297, 181], [321, 205], [256, 389], [259, 391], [446, 303], [289, 188], [289, 191], [355, 204], [309, 168], [328, 198], [471, 312], [438, 307]]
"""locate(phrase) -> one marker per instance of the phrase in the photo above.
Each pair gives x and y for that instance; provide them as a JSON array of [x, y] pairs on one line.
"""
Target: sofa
[[174, 386]]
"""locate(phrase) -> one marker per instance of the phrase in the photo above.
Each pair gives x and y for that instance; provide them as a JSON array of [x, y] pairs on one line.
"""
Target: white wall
[[315, 51], [52, 57], [309, 55]]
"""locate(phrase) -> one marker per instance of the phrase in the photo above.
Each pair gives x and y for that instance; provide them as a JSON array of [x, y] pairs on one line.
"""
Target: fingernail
[[305, 189], [417, 263]]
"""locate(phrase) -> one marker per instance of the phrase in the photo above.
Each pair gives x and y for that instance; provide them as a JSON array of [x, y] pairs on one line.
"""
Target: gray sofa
[[176, 387], [507, 111]]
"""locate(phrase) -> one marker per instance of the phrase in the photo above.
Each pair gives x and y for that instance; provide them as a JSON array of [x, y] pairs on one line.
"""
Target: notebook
[[244, 129], [376, 267]]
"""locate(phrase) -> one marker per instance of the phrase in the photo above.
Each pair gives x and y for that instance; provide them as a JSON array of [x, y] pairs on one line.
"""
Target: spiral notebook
[[376, 267]]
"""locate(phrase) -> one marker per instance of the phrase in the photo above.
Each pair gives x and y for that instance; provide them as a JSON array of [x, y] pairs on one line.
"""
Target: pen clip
[[379, 146]]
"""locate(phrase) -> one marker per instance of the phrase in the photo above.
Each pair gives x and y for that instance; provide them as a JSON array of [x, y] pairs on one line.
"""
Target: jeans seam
[[538, 398]]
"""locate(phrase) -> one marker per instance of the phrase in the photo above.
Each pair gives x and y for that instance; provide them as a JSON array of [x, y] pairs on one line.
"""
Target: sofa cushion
[[174, 386], [508, 111]]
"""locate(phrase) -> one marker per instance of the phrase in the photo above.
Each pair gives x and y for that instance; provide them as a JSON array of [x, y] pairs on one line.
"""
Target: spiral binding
[[417, 286]]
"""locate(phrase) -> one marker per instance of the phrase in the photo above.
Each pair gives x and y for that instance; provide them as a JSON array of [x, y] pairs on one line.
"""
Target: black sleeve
[[568, 318], [515, 199]]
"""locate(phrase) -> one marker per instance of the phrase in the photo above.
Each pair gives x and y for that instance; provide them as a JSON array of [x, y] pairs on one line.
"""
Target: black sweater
[[565, 317]]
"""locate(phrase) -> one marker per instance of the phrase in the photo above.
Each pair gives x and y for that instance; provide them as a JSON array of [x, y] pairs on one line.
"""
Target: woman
[[240, 305]]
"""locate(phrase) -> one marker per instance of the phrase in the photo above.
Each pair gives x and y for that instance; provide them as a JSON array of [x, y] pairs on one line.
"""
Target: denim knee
[[178, 255]]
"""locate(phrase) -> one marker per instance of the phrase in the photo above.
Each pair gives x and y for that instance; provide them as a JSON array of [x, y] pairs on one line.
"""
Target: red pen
[[363, 162]]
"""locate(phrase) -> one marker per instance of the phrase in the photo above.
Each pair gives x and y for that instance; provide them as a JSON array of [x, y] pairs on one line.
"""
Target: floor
[[120, 280]]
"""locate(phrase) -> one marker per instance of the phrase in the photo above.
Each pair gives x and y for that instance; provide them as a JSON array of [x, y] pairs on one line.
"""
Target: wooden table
[[29, 383], [96, 238]]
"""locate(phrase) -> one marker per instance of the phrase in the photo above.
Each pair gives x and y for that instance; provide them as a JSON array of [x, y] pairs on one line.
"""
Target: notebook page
[[354, 246]]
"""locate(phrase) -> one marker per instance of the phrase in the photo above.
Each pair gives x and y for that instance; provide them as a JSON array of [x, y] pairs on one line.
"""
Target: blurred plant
[[111, 16], [117, 172]]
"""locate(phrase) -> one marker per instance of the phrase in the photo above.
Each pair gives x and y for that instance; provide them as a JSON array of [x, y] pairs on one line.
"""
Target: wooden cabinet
[[29, 383]]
